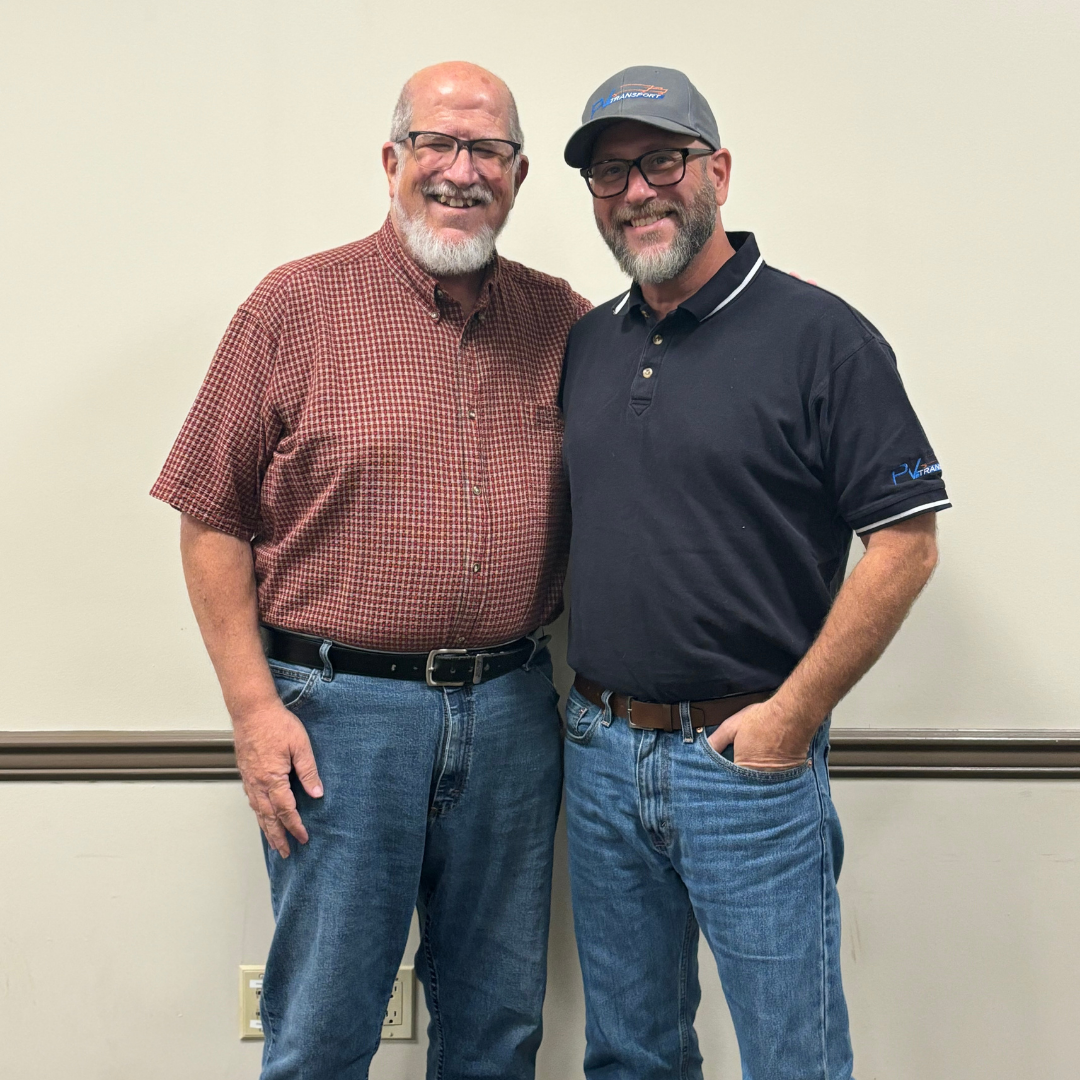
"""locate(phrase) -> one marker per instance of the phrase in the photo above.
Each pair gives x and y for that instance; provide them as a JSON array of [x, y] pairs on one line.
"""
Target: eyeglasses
[[660, 168], [490, 157]]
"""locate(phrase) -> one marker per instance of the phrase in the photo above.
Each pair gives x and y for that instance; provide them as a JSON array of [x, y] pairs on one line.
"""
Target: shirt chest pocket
[[542, 431]]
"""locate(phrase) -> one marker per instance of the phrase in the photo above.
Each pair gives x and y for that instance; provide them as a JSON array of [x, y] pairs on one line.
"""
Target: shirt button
[[472, 414], [433, 314], [476, 568], [657, 339], [647, 373], [476, 489]]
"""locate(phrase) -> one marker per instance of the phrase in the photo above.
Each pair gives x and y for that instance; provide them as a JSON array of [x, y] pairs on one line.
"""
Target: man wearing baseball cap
[[728, 427]]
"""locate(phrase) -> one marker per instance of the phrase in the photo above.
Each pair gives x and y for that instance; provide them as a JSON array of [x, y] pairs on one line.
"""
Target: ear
[[520, 172], [390, 165], [719, 169]]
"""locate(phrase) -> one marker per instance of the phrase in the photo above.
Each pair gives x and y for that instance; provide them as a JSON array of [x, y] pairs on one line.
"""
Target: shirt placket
[[474, 479], [653, 351]]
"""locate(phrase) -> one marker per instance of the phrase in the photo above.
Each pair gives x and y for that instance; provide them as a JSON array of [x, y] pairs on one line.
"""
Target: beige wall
[[918, 158], [921, 159]]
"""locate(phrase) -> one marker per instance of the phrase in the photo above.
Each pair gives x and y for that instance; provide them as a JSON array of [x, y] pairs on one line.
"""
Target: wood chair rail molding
[[925, 753]]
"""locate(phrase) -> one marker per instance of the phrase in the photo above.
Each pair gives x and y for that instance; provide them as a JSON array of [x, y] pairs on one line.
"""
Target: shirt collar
[[721, 288], [418, 279]]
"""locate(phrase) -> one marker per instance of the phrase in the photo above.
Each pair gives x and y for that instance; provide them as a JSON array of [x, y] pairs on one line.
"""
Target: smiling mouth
[[455, 201], [643, 221]]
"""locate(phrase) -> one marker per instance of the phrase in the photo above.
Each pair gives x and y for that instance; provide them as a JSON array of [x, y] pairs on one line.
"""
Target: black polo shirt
[[719, 462]]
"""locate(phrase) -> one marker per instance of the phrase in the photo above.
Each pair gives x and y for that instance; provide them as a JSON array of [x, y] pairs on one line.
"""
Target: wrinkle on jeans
[[689, 994], [452, 768]]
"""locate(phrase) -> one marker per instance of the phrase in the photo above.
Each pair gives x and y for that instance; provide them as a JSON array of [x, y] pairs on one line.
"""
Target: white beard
[[441, 257]]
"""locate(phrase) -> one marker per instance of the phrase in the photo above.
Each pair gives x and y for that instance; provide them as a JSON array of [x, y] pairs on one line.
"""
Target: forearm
[[867, 613], [220, 575]]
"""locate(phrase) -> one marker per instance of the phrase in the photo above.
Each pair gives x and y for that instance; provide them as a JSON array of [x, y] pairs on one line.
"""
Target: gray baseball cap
[[662, 97]]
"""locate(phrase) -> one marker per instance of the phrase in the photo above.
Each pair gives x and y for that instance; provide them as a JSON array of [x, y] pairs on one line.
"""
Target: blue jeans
[[442, 800], [667, 835]]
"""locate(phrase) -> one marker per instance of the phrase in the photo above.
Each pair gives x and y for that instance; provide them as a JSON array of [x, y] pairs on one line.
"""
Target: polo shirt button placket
[[641, 393]]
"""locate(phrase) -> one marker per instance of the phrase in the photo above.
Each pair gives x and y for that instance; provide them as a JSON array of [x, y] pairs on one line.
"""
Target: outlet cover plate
[[399, 1022], [400, 1019], [251, 977]]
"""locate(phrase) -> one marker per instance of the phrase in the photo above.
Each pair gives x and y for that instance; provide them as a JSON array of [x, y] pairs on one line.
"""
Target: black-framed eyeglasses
[[660, 168], [435, 150]]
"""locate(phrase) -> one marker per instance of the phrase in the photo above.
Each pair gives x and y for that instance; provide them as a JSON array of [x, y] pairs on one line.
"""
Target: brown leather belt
[[653, 716]]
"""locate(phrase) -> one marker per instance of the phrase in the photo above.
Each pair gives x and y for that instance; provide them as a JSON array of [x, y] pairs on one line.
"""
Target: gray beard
[[441, 257], [653, 266]]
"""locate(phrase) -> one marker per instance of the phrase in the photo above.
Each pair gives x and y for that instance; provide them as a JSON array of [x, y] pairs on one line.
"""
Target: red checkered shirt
[[396, 467]]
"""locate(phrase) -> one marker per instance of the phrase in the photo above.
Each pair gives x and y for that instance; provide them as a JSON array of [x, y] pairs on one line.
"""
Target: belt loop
[[605, 702], [686, 723], [539, 639], [324, 656]]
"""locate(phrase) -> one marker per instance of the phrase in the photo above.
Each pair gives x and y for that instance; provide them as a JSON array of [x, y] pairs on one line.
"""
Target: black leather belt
[[439, 667]]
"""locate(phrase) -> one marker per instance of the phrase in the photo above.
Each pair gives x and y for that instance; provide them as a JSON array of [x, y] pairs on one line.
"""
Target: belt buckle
[[433, 656], [630, 715], [647, 727]]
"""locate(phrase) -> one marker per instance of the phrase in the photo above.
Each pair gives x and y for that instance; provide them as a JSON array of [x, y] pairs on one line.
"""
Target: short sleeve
[[878, 462], [215, 468]]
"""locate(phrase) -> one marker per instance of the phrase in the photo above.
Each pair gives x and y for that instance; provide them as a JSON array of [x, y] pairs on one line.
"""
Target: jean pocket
[[580, 725], [541, 665], [763, 776], [294, 684]]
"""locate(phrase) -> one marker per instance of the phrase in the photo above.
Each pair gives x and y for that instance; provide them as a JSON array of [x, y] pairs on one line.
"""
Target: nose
[[638, 189], [463, 171]]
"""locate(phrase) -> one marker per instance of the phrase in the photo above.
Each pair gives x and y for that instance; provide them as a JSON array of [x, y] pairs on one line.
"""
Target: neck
[[464, 288], [668, 295]]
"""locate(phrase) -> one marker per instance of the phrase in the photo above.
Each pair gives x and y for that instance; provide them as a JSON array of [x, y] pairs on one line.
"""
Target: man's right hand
[[270, 744], [270, 741]]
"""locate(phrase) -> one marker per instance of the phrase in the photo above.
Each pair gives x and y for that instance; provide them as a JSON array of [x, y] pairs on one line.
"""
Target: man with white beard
[[728, 428], [374, 531]]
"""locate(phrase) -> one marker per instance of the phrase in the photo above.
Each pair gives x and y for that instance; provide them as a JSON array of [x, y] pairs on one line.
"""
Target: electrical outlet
[[399, 1022], [251, 980]]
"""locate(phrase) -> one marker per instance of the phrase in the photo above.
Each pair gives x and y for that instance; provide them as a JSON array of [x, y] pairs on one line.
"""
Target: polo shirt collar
[[730, 280], [418, 279]]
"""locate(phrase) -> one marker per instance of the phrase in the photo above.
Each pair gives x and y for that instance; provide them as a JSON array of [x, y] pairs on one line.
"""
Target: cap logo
[[627, 91]]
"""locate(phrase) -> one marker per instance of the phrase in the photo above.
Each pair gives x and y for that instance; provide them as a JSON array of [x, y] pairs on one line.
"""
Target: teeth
[[448, 200], [642, 221]]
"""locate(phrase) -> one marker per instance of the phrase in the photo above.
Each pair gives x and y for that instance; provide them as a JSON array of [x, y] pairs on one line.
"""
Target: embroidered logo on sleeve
[[919, 471]]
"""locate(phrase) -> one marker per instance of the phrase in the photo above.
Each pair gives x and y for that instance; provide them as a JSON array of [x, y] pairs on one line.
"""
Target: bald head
[[460, 85]]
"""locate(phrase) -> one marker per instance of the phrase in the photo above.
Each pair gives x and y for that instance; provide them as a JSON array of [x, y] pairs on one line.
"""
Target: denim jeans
[[440, 799], [666, 836]]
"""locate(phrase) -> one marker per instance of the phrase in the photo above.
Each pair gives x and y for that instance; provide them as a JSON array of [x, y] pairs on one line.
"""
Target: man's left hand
[[764, 738]]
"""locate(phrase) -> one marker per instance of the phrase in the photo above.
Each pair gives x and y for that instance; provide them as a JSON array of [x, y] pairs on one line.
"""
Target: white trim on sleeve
[[939, 505]]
